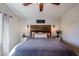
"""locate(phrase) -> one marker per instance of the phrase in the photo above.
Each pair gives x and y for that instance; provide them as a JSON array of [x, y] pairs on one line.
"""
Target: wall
[[14, 32], [14, 26], [70, 26], [32, 21]]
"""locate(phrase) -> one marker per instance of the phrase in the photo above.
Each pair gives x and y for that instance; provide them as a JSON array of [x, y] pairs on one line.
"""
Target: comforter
[[42, 47]]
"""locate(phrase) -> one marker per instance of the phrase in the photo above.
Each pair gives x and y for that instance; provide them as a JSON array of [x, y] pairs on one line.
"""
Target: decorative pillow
[[40, 35]]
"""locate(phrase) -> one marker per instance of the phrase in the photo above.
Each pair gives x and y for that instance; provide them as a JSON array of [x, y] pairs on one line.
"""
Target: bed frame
[[40, 28]]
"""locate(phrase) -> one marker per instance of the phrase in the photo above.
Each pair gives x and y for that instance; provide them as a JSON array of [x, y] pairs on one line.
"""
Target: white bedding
[[40, 35]]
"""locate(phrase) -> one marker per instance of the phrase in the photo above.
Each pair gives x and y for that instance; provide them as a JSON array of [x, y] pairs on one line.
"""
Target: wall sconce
[[27, 26], [53, 30], [53, 26], [26, 31]]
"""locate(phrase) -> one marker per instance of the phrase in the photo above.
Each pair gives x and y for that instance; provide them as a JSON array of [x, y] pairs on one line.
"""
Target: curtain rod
[[6, 14]]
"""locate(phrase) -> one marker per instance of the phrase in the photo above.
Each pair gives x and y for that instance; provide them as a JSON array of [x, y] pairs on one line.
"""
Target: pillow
[[40, 35]]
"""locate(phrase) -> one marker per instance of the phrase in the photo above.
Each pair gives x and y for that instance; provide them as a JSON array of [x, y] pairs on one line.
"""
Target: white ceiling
[[32, 11]]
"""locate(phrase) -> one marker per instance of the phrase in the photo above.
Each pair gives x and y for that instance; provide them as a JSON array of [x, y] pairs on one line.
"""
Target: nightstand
[[24, 38]]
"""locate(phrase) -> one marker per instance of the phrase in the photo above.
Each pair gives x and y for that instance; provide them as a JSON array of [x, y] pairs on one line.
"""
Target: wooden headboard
[[40, 28]]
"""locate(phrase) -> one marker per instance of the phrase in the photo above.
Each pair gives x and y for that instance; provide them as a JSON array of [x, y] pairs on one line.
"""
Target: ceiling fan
[[40, 5]]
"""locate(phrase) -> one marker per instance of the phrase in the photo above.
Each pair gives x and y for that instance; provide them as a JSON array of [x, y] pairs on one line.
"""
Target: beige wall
[[70, 26], [32, 21]]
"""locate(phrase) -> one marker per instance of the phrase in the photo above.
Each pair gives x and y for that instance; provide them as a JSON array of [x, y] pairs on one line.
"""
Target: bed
[[41, 46]]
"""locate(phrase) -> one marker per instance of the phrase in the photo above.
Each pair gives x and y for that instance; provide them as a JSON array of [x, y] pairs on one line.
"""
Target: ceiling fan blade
[[56, 3], [26, 4], [41, 7]]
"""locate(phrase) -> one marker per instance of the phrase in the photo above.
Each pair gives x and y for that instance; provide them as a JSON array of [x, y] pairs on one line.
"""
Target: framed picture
[[40, 21]]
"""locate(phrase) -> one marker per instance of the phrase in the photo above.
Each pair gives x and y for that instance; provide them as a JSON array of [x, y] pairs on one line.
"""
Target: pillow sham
[[40, 35]]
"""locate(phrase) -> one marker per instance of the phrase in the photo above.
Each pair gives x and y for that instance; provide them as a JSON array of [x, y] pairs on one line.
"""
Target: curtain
[[4, 34], [1, 32]]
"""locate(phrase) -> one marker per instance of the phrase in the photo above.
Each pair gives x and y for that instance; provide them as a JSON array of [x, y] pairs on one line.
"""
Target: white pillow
[[40, 35]]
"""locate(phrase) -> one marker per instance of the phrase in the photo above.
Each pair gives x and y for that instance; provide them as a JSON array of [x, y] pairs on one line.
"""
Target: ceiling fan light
[[26, 4], [41, 7], [56, 3]]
